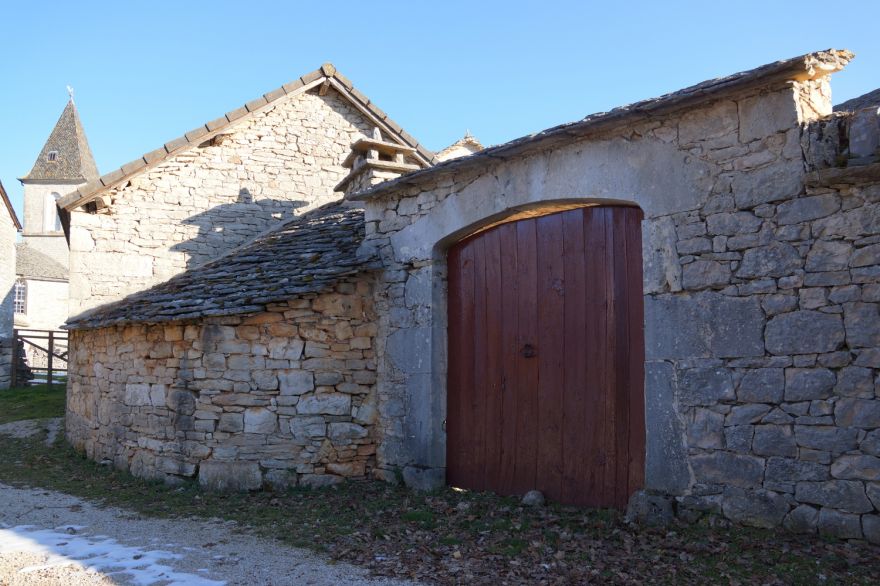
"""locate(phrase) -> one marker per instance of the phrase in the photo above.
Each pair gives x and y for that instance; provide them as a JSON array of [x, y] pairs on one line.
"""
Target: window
[[19, 302], [51, 220], [52, 156]]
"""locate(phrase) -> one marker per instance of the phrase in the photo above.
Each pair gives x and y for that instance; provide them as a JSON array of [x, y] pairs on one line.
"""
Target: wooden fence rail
[[51, 344]]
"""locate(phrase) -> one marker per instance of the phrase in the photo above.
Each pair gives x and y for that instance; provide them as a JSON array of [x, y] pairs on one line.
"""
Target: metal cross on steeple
[[70, 92]]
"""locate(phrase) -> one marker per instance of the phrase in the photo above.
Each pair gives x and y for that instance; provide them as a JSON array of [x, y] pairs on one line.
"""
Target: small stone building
[[677, 300], [9, 228], [218, 186]]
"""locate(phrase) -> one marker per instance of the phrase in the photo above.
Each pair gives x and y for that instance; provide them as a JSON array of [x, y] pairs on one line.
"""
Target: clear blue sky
[[146, 72]]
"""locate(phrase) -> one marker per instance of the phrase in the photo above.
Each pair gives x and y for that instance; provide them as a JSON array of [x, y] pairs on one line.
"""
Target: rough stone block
[[231, 423], [259, 420], [754, 508], [325, 404], [666, 468], [826, 438], [777, 259], [137, 394], [703, 274], [790, 471], [805, 209], [223, 476], [764, 385], [706, 386], [805, 384], [871, 528], [766, 114], [744, 414], [862, 322], [728, 469], [676, 326], [855, 381], [856, 468], [841, 525], [804, 332], [308, 427], [320, 480], [774, 440], [344, 431], [802, 519], [846, 495], [863, 413], [296, 382]]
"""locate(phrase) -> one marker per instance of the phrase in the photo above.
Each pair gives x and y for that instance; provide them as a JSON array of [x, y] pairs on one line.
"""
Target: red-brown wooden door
[[546, 358]]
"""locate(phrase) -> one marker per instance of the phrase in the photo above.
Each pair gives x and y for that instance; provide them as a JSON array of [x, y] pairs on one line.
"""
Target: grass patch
[[452, 537], [36, 402]]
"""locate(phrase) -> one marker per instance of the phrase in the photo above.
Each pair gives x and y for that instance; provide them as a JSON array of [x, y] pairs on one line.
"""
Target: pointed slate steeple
[[66, 156]]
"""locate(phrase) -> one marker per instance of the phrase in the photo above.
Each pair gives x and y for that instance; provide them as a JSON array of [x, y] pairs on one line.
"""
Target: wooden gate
[[546, 358]]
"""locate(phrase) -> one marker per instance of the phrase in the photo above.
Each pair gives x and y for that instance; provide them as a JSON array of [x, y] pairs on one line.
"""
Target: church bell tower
[[64, 164]]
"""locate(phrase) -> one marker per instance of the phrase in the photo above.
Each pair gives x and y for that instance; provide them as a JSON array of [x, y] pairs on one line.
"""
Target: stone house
[[673, 304], [9, 229], [219, 185]]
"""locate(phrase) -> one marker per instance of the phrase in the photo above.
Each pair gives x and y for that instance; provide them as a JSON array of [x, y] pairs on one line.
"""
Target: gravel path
[[52, 538]]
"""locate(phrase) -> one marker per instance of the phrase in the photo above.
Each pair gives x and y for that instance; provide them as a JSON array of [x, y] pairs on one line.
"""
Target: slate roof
[[803, 67], [33, 264], [327, 75], [9, 208], [73, 161], [306, 255], [863, 101]]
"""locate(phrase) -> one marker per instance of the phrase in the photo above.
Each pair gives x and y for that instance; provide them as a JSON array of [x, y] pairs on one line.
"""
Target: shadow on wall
[[227, 226]]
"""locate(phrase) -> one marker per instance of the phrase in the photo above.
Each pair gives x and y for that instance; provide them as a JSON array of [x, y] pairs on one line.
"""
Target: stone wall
[[46, 305], [194, 206], [276, 398], [761, 303], [8, 233]]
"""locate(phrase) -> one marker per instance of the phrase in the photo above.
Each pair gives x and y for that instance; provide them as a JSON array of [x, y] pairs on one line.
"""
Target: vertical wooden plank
[[510, 356], [609, 380], [527, 368], [479, 389], [621, 357], [493, 375], [636, 337], [574, 401], [550, 348], [465, 339], [594, 299]]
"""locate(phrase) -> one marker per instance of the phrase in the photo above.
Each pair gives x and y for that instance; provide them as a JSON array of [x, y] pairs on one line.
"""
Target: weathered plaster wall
[[277, 398], [196, 205], [762, 324], [46, 305], [7, 281]]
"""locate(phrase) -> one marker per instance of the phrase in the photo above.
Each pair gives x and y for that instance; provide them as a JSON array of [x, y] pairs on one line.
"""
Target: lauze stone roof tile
[[306, 255]]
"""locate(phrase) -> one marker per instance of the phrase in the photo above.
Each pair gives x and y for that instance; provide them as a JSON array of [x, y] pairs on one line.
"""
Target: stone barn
[[677, 300]]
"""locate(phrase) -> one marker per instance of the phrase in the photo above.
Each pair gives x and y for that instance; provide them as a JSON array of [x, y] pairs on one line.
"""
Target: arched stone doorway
[[545, 385]]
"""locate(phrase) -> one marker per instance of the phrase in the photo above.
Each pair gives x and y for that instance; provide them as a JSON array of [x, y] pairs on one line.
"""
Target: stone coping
[[801, 68]]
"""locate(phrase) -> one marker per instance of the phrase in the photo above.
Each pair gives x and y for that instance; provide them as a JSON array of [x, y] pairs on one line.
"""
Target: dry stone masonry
[[278, 398], [210, 193], [318, 351], [762, 268]]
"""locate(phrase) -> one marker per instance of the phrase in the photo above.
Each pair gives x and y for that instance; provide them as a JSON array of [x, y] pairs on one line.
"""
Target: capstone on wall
[[8, 233], [761, 306], [278, 398], [280, 161]]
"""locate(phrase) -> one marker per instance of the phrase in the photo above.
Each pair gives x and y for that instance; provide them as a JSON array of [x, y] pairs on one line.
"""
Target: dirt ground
[[50, 538]]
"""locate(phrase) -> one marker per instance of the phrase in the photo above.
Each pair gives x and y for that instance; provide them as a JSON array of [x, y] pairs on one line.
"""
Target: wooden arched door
[[546, 357]]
